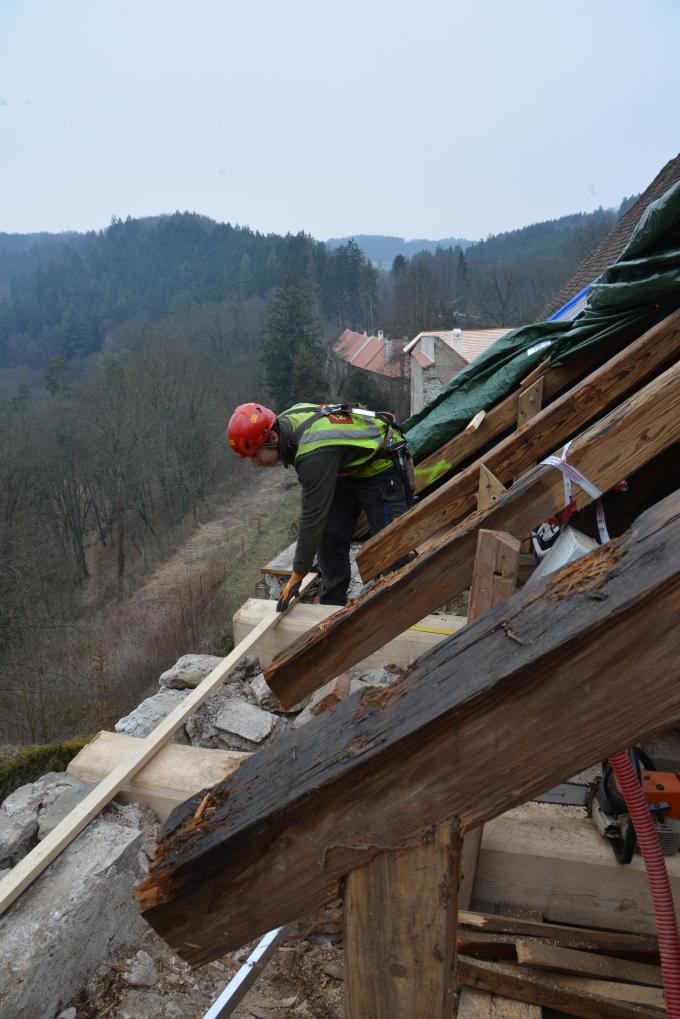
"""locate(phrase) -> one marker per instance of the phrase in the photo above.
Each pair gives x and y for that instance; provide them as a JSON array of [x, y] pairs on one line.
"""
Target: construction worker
[[345, 463]]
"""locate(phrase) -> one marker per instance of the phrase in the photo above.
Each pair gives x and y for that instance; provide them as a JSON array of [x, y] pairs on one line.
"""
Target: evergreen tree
[[309, 380], [291, 324]]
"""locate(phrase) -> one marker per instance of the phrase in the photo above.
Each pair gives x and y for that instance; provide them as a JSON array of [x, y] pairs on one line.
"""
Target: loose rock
[[147, 715], [188, 671], [142, 972]]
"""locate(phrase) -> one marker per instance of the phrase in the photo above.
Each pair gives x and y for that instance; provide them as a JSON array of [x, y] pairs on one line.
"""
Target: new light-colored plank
[[174, 774], [402, 650], [569, 960], [400, 923], [490, 488], [476, 421], [35, 862], [511, 457]]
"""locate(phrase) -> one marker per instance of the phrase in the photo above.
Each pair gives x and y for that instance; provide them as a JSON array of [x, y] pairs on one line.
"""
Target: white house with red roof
[[437, 355]]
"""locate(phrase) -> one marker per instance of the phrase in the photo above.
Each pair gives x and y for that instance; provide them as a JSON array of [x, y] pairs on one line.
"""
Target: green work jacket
[[360, 431]]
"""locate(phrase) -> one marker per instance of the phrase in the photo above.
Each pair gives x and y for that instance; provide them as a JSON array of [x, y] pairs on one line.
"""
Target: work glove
[[290, 591]]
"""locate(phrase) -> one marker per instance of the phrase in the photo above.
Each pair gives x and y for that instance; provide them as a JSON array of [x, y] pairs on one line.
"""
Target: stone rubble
[[188, 671], [72, 921]]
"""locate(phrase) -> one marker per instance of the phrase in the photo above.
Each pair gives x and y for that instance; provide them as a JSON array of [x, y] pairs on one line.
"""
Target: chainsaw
[[662, 792]]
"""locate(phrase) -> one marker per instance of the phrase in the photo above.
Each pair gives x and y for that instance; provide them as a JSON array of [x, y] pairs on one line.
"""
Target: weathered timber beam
[[613, 448], [520, 450], [553, 679]]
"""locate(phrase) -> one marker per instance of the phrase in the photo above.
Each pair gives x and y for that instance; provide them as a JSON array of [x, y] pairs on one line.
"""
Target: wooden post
[[494, 579], [490, 489], [400, 908], [400, 931]]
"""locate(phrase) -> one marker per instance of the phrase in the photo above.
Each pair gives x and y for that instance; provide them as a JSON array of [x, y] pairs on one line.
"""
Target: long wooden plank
[[402, 650], [400, 922], [515, 454], [569, 960], [540, 988], [174, 774], [629, 436], [568, 667], [35, 862]]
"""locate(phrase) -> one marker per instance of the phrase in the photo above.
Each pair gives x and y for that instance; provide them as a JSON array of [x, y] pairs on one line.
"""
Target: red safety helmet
[[249, 428]]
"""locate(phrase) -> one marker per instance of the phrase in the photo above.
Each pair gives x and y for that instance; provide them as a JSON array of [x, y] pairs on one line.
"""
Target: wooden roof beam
[[556, 677], [613, 448], [518, 452]]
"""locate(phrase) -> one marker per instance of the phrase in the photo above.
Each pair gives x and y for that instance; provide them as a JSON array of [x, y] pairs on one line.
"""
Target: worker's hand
[[290, 591]]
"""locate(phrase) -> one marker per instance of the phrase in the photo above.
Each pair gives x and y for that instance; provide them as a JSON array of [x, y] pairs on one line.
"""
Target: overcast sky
[[423, 119]]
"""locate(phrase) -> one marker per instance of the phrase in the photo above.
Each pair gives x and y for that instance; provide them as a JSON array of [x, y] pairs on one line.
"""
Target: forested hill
[[147, 268], [382, 250]]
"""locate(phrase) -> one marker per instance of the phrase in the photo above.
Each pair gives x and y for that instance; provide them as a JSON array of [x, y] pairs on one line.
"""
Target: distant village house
[[437, 356]]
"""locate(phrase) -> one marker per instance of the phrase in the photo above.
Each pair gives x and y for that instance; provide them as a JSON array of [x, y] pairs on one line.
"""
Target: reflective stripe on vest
[[365, 434]]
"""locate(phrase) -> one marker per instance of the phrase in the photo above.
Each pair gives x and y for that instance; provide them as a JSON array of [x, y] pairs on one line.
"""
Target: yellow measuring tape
[[432, 629]]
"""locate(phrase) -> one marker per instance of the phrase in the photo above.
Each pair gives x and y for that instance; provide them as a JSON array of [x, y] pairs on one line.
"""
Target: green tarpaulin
[[641, 286]]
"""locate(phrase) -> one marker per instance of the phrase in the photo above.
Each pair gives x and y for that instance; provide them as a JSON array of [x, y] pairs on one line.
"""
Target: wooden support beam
[[569, 668], [35, 862], [174, 774], [569, 960], [629, 436], [494, 578], [400, 931], [541, 435], [562, 994], [402, 650], [490, 488]]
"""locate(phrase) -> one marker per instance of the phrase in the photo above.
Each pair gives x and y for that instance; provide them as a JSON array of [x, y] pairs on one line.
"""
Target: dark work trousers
[[382, 498]]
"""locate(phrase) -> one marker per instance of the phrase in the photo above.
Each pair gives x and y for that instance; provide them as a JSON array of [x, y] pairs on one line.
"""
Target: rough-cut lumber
[[490, 489], [589, 938], [500, 418], [539, 436], [568, 960], [402, 650], [552, 859], [611, 990], [542, 989], [400, 923], [628, 437], [561, 668], [481, 1005], [494, 578], [35, 862], [175, 773]]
